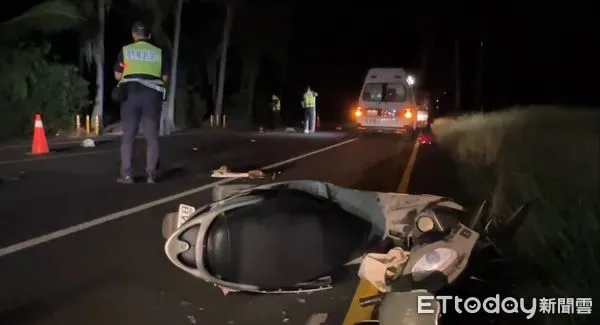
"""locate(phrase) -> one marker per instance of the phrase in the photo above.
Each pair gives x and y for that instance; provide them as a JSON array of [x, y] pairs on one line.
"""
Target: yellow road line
[[403, 187], [355, 312]]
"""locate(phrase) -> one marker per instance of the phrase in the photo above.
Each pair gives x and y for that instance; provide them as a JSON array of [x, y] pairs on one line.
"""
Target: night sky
[[532, 54]]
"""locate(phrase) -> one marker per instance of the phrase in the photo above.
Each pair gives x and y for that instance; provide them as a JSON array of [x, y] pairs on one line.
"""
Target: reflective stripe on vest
[[142, 58], [157, 84], [309, 99], [277, 105]]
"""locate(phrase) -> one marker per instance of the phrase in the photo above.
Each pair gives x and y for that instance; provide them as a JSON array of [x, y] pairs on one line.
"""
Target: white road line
[[117, 215]]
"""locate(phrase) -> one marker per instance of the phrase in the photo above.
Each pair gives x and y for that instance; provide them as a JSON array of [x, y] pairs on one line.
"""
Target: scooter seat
[[288, 238]]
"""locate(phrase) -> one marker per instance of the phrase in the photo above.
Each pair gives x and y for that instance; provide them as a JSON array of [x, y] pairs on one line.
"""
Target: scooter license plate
[[184, 213]]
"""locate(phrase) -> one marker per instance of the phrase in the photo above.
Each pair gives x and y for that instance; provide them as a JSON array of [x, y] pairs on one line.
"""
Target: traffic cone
[[39, 146]]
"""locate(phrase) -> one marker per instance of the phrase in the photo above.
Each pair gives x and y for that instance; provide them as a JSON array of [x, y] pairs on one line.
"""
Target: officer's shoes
[[125, 180], [151, 179]]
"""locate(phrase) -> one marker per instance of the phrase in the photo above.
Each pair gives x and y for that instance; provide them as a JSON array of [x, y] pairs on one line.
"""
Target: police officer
[[275, 112], [142, 71], [309, 103]]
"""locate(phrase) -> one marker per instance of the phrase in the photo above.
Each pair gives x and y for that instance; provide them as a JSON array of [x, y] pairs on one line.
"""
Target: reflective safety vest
[[310, 100], [142, 58], [277, 106]]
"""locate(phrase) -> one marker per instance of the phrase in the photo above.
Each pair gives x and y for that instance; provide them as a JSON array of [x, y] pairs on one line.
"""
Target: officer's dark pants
[[310, 119], [142, 106], [275, 120]]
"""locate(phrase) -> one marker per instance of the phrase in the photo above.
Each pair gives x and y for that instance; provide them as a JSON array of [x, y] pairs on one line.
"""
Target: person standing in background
[[275, 105], [309, 103]]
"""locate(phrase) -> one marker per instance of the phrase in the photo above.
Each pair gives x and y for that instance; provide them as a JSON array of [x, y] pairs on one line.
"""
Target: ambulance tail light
[[406, 113], [358, 112]]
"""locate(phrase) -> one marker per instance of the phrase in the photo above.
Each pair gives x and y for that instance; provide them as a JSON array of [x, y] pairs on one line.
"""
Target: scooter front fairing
[[288, 236]]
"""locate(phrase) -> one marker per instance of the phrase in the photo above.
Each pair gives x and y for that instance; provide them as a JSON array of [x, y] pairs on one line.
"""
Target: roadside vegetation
[[239, 34], [33, 79], [547, 156], [33, 83]]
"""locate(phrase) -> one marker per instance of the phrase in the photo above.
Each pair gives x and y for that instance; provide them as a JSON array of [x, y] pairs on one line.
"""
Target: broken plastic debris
[[317, 319], [301, 300], [192, 319], [252, 140], [256, 174], [185, 303], [285, 316], [88, 143], [290, 130], [223, 169], [224, 172], [377, 268], [226, 290]]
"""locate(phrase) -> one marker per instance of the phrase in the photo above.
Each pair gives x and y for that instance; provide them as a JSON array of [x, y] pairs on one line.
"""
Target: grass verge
[[547, 156]]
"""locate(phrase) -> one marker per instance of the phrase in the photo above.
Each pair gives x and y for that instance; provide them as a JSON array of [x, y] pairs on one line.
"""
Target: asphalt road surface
[[78, 248]]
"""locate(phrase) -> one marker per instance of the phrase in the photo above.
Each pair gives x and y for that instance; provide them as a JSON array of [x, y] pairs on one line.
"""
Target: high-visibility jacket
[[310, 100], [276, 105], [142, 58]]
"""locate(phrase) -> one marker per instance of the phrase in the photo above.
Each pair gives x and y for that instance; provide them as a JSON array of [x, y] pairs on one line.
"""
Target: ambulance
[[387, 102]]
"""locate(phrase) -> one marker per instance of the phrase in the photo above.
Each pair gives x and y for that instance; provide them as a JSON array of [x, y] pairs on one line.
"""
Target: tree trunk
[[98, 111], [222, 66], [248, 61], [170, 123], [245, 74], [457, 76], [254, 68], [425, 58], [211, 77], [212, 74], [479, 82]]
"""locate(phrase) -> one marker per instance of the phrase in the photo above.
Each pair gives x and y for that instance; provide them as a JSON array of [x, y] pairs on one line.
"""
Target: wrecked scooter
[[295, 236]]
